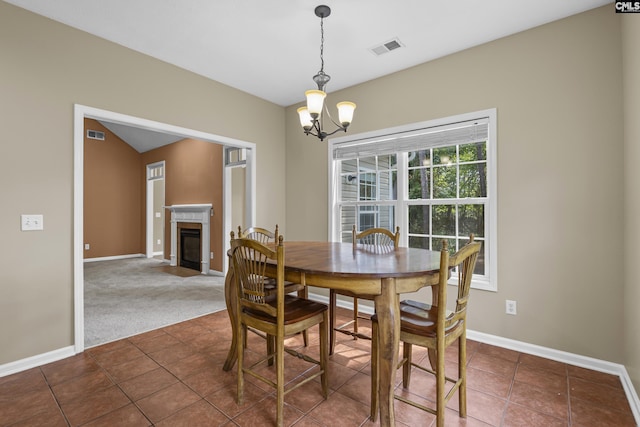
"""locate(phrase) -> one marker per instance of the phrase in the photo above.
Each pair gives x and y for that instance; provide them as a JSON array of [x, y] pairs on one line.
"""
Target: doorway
[[80, 113], [155, 209]]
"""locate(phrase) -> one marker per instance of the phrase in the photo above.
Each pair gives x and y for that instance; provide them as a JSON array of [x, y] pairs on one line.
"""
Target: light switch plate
[[32, 222]]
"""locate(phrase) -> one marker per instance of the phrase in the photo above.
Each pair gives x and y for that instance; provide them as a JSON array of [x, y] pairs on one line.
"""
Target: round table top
[[339, 259]]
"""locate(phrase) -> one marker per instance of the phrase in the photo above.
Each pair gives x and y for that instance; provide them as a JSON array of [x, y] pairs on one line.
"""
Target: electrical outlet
[[31, 222], [87, 246], [511, 307]]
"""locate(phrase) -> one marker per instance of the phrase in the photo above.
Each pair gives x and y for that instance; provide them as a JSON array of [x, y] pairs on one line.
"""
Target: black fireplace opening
[[190, 248]]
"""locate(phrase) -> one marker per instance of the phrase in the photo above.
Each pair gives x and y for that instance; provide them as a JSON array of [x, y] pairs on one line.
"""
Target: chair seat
[[419, 318], [295, 310]]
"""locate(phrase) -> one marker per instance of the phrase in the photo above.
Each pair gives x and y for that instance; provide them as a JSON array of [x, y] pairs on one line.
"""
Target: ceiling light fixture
[[311, 115]]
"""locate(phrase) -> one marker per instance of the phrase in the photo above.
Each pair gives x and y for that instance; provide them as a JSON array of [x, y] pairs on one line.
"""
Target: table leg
[[387, 309], [230, 297]]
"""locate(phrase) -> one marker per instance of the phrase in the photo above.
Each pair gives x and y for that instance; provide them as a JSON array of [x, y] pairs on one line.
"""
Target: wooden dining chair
[[426, 325], [378, 240], [260, 234], [276, 314], [265, 236]]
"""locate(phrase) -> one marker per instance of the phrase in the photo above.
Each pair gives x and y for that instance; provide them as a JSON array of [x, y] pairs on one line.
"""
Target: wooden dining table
[[339, 266]]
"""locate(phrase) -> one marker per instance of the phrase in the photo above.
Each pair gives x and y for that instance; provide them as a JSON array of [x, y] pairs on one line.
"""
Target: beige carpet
[[130, 296]]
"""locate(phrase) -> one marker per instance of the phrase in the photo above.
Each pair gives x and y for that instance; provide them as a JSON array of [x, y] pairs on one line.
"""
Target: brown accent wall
[[115, 191], [193, 175], [113, 200]]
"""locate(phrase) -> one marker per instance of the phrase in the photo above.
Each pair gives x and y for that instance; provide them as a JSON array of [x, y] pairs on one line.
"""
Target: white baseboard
[[535, 350], [35, 361], [111, 258], [568, 358]]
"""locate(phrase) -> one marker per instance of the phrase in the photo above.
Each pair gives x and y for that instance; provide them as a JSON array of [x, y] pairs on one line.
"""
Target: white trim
[[115, 257], [80, 112], [487, 282], [250, 182], [35, 361]]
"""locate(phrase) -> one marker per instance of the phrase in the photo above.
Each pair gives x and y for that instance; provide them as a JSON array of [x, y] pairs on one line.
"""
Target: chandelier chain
[[322, 45]]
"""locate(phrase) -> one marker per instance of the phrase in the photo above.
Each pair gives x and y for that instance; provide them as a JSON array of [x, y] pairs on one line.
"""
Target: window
[[436, 180]]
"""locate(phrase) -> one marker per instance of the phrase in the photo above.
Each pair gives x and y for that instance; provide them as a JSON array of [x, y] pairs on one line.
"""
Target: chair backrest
[[465, 262], [378, 239], [262, 235], [250, 260]]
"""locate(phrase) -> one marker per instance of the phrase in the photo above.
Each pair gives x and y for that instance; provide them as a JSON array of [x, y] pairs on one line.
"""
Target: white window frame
[[489, 280]]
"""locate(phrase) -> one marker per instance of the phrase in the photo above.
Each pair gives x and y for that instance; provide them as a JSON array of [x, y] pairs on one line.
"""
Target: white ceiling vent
[[95, 134], [386, 47]]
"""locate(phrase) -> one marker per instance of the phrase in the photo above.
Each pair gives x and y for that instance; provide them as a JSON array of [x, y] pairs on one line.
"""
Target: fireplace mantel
[[195, 213]]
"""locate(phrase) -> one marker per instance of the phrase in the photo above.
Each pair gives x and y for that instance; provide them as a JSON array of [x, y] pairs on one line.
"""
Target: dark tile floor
[[173, 377]]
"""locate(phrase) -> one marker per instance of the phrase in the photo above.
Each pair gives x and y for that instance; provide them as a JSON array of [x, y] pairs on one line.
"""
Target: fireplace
[[191, 217], [189, 249]]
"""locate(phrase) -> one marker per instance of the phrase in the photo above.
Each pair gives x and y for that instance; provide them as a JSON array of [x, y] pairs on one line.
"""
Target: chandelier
[[311, 116]]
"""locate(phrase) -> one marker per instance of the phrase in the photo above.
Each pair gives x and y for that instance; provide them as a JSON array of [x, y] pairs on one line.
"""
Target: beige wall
[[47, 68], [631, 155], [558, 94]]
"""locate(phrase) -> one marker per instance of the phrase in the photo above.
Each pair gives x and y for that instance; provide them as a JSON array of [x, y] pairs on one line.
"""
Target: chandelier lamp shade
[[313, 113]]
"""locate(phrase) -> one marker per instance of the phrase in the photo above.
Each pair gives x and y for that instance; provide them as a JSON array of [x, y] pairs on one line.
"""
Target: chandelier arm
[[340, 129], [326, 110]]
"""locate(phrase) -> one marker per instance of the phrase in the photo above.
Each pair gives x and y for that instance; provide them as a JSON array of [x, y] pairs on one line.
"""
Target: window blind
[[466, 132]]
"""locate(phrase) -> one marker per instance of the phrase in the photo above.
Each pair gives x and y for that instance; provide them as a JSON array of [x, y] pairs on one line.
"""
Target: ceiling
[[271, 49]]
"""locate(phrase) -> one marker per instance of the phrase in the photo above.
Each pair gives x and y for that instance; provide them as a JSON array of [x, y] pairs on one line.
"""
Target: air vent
[[95, 134], [386, 47]]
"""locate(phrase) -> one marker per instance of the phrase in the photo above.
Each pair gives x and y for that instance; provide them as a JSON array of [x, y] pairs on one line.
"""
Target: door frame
[[150, 213], [80, 113]]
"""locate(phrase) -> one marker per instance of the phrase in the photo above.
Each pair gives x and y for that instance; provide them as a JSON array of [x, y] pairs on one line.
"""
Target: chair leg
[[355, 317], [374, 371], [240, 339], [440, 385], [245, 339], [432, 359], [271, 348], [407, 352], [332, 321], [462, 374], [304, 293], [324, 354], [280, 380]]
